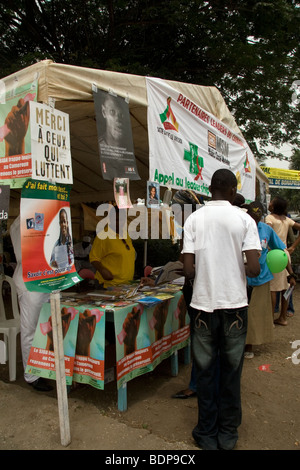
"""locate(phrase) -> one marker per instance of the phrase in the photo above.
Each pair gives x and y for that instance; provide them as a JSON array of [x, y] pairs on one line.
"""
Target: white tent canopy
[[70, 87]]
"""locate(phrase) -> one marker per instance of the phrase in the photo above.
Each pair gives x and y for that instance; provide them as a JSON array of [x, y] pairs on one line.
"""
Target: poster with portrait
[[153, 195], [46, 234], [115, 142], [50, 144], [15, 135]]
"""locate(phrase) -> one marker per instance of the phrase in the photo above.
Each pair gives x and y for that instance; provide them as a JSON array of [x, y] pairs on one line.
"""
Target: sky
[[286, 150]]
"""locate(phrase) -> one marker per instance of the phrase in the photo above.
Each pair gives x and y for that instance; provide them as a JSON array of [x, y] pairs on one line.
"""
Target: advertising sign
[[188, 144], [115, 141], [46, 237]]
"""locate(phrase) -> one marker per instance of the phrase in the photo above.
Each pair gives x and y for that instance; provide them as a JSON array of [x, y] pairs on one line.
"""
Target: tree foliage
[[248, 49]]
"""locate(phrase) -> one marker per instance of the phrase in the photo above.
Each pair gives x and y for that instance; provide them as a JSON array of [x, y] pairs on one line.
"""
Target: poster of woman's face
[[152, 194]]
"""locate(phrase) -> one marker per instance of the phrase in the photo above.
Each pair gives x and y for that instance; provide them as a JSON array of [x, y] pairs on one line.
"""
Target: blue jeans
[[218, 343]]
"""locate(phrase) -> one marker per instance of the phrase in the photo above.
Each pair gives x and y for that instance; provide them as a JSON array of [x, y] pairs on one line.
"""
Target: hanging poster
[[187, 144], [153, 195], [41, 360], [115, 141], [121, 193], [46, 234], [15, 136], [50, 144]]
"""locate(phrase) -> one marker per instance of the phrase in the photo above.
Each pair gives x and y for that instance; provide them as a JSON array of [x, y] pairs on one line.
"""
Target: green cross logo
[[196, 162]]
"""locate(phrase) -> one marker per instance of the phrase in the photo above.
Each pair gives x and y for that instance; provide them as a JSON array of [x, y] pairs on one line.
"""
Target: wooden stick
[[61, 385]]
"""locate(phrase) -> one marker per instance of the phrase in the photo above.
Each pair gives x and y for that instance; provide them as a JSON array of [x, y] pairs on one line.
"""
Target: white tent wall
[[70, 87]]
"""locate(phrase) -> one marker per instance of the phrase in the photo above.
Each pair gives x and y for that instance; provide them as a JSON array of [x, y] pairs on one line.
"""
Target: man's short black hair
[[223, 180]]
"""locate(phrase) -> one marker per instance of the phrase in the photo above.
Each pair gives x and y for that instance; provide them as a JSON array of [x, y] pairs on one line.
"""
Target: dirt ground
[[155, 421]]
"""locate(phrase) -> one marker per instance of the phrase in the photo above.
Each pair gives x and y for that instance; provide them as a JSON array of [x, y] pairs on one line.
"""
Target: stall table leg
[[122, 397]]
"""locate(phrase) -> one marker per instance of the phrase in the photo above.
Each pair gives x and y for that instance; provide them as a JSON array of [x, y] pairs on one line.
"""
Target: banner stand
[[61, 385]]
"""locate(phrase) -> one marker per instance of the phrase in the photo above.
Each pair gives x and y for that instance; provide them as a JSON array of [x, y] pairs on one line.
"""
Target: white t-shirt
[[217, 234]]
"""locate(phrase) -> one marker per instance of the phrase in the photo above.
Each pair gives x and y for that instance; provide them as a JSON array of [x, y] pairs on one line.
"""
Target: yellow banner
[[280, 173]]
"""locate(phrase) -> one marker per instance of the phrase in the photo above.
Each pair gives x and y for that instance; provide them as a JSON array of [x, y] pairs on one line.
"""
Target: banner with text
[[46, 237], [187, 144], [281, 178], [50, 144], [15, 135]]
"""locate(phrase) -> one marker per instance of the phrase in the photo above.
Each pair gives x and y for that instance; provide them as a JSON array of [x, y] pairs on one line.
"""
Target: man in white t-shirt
[[215, 238]]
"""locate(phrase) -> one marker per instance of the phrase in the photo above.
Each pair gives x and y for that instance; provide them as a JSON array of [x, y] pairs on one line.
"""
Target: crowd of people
[[229, 291]]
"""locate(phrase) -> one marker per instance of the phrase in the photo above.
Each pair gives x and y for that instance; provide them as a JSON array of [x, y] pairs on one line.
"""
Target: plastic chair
[[10, 327]]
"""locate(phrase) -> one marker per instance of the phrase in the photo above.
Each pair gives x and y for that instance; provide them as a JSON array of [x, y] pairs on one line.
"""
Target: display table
[[146, 331]]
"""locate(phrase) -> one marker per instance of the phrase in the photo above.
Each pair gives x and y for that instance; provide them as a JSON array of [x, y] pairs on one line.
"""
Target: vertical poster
[[41, 360], [90, 347], [4, 206], [121, 193], [188, 144], [46, 234], [50, 144], [4, 202], [153, 195], [133, 343], [115, 140], [15, 136]]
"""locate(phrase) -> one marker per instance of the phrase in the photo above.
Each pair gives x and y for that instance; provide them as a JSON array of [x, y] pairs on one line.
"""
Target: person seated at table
[[113, 257], [81, 254], [82, 263]]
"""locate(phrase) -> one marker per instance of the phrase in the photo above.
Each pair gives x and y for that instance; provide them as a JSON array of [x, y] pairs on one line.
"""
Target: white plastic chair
[[10, 327]]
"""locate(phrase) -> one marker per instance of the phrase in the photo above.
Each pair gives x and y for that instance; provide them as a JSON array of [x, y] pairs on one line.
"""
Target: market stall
[[60, 164]]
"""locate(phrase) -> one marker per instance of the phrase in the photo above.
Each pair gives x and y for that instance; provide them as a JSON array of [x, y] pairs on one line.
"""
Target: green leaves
[[248, 49]]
